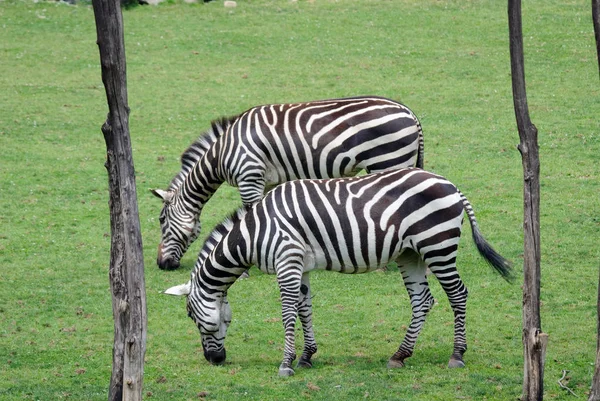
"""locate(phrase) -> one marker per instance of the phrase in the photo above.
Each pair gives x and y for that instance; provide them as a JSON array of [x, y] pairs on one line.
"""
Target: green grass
[[190, 63]]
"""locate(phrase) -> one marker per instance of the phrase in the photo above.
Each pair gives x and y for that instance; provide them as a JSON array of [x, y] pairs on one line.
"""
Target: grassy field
[[191, 63]]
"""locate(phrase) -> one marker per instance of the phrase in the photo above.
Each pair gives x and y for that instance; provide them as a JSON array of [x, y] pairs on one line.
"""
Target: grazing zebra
[[348, 225], [271, 144]]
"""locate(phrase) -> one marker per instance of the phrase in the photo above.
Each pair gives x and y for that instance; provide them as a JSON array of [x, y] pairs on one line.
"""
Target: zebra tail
[[499, 263], [421, 150]]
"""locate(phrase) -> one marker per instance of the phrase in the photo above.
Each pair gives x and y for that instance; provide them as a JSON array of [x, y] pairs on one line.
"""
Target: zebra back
[[321, 139]]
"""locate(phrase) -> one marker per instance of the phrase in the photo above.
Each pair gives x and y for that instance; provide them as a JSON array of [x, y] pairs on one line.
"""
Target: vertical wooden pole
[[534, 340], [595, 391], [126, 272]]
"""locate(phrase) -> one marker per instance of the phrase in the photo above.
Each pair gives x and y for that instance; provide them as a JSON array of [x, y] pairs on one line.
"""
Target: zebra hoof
[[285, 371], [395, 364], [244, 275], [304, 363], [456, 363]]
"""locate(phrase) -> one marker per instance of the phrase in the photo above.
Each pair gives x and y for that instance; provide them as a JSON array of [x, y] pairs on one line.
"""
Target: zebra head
[[179, 228], [212, 316], [213, 329]]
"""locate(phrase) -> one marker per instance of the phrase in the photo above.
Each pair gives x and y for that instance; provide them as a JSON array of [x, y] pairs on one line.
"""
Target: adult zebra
[[271, 144], [347, 225]]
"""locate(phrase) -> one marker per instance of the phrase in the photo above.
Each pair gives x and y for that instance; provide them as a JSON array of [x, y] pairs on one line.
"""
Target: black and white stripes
[[351, 225], [271, 144], [198, 148]]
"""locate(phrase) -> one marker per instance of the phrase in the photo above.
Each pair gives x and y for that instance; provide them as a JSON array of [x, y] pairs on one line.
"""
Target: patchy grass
[[191, 63]]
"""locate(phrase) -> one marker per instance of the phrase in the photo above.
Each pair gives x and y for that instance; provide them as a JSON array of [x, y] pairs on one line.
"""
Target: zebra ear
[[179, 290], [164, 195]]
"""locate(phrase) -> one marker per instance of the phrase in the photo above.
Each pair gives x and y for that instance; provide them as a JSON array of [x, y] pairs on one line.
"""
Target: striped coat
[[271, 144], [352, 225]]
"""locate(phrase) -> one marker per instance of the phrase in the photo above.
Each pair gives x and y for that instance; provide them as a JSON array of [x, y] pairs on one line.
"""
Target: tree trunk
[[126, 270], [595, 392], [534, 340]]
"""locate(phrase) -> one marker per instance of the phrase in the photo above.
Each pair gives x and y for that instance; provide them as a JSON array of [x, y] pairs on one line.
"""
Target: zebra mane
[[226, 225], [217, 234], [199, 147]]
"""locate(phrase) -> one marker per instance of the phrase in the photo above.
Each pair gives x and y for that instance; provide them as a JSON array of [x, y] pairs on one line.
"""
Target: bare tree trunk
[[126, 260], [534, 340], [595, 391]]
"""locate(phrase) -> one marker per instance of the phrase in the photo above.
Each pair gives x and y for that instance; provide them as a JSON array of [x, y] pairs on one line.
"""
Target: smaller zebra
[[348, 225]]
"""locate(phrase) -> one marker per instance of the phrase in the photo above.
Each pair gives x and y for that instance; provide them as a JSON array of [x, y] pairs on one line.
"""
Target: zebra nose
[[168, 263], [215, 357]]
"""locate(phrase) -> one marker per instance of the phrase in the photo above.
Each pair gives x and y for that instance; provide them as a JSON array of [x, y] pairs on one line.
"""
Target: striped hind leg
[[305, 316], [412, 268], [444, 269], [289, 278]]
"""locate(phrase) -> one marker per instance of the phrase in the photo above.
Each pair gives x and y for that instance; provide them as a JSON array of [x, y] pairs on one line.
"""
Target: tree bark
[[126, 272], [595, 391], [534, 340]]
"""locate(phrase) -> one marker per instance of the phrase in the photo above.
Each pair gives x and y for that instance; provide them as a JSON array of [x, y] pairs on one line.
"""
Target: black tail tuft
[[502, 266]]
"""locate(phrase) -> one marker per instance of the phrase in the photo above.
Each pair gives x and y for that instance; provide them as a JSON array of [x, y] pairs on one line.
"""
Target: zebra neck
[[226, 253], [201, 183], [199, 148], [216, 272]]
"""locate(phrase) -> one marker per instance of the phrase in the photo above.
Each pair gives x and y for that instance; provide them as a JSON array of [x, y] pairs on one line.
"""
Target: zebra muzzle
[[168, 263], [215, 357]]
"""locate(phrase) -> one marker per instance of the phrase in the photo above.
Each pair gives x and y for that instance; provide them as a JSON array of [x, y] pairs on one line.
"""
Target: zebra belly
[[277, 174], [317, 260]]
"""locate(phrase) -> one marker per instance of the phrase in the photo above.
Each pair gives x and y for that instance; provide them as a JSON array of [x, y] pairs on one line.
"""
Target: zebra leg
[[289, 276], [252, 187], [305, 315], [252, 190], [457, 293], [413, 273]]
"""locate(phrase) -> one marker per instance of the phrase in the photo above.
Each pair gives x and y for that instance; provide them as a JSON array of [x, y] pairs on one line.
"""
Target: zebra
[[347, 225], [271, 144]]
